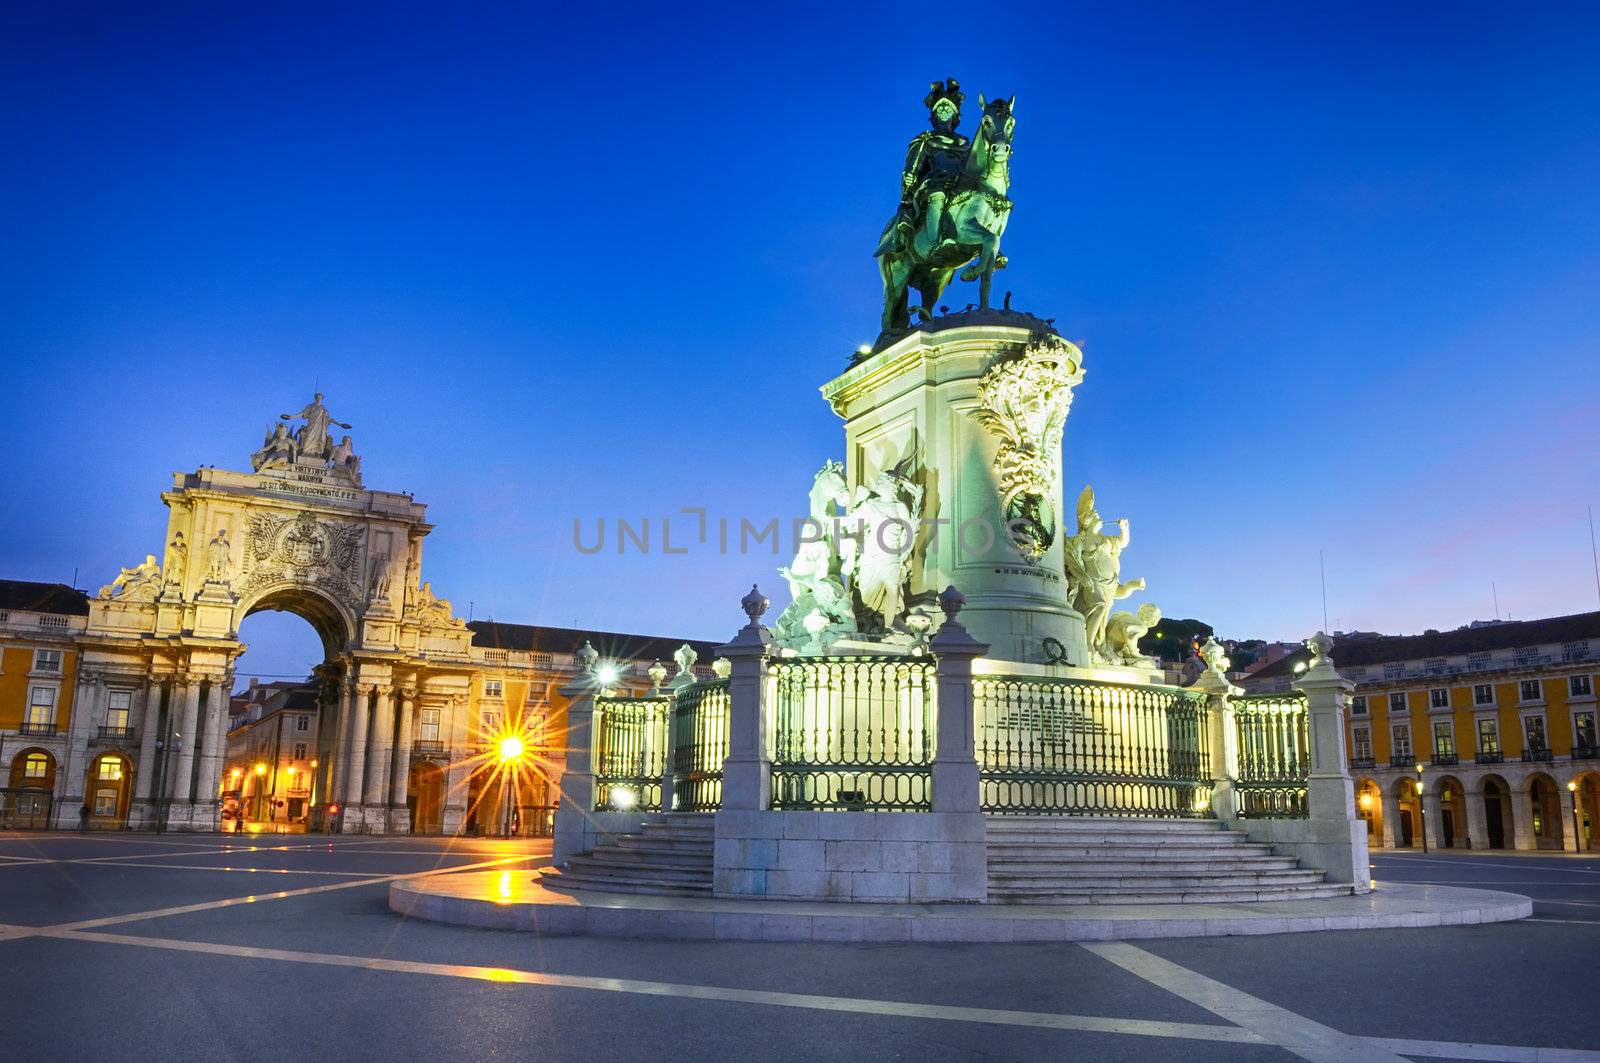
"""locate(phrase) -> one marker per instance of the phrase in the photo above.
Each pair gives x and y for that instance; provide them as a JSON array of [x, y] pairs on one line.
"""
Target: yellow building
[[1494, 724]]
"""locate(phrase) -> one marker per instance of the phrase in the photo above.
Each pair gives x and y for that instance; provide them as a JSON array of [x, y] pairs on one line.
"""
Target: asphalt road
[[131, 947]]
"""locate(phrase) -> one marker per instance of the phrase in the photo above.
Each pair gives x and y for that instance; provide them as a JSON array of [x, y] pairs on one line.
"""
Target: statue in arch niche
[[219, 557]]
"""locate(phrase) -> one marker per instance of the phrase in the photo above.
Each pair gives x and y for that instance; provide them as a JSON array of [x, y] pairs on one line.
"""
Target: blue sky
[[1334, 272]]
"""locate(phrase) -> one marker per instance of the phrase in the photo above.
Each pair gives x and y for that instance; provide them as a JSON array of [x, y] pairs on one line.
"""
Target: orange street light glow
[[510, 748]]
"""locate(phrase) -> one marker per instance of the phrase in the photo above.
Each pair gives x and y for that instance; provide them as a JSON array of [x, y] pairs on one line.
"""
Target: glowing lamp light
[[865, 348], [236, 773], [623, 799], [261, 769], [1572, 787], [510, 748], [1365, 801], [608, 673]]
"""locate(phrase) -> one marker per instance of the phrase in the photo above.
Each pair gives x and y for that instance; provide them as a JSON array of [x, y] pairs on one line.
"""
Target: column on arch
[[458, 775], [182, 769], [380, 750], [400, 776], [214, 751], [1522, 817], [1391, 816], [149, 730], [356, 764]]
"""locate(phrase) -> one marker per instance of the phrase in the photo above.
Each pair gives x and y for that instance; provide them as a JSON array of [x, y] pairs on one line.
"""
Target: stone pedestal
[[747, 770], [955, 764], [917, 405], [575, 814]]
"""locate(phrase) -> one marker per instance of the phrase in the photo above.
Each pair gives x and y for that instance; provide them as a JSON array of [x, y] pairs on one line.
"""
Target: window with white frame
[[1483, 694], [1489, 736], [491, 721], [1533, 728], [299, 751], [36, 766], [1439, 698], [1361, 743], [1583, 731], [492, 688], [110, 769], [1444, 739], [1531, 690], [42, 706], [1579, 686], [1397, 702], [302, 723], [47, 661], [428, 725], [1402, 740], [105, 802], [117, 704], [1358, 705]]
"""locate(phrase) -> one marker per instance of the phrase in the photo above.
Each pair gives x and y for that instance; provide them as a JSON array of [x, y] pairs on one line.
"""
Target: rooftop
[[1511, 634], [43, 597], [531, 638]]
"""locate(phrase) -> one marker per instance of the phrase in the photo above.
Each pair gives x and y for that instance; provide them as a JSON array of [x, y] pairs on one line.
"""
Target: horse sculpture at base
[[968, 234]]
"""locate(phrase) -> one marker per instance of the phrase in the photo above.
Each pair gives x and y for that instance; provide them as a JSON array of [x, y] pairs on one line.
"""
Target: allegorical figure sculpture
[[824, 563], [218, 557], [276, 450], [140, 583], [886, 512], [1124, 630], [953, 207], [311, 439], [1094, 571]]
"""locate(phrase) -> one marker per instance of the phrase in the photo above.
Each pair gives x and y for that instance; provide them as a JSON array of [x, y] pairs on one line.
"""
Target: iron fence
[[852, 733], [1274, 756], [630, 752], [699, 745], [1071, 747]]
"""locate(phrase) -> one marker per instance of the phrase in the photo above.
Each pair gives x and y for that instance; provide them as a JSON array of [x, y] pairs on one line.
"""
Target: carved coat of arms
[[1024, 401], [303, 549]]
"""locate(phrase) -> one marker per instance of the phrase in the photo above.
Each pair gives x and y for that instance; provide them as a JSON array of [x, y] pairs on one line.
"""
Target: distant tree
[[1175, 640]]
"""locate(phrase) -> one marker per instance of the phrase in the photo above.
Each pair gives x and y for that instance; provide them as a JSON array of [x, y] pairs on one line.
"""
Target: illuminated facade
[[1497, 722], [122, 699]]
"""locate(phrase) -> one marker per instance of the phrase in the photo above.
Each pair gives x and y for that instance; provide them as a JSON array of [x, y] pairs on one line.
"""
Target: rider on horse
[[934, 162]]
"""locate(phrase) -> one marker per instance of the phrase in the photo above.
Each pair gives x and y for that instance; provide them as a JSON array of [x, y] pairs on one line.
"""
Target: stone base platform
[[515, 900]]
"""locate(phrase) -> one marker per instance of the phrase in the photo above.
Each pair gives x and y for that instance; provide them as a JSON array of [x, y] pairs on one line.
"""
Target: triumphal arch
[[300, 533]]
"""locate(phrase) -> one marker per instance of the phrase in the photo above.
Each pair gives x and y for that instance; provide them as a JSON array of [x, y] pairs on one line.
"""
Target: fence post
[[955, 763], [747, 771], [1222, 736], [680, 682], [1338, 834], [575, 813]]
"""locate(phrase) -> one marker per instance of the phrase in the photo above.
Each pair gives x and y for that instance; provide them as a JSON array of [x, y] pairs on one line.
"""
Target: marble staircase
[[1107, 860], [670, 856]]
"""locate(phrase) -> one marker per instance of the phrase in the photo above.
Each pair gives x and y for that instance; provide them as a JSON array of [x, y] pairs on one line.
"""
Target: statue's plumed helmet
[[948, 89]]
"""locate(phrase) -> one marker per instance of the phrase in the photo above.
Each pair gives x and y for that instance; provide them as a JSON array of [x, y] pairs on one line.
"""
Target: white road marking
[[1293, 1033], [994, 1016]]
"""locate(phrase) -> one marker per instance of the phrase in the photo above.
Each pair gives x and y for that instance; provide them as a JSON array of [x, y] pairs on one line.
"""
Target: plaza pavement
[[135, 947]]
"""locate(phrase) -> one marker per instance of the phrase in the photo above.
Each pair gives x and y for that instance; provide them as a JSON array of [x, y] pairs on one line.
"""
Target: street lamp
[[510, 754], [1577, 834], [1422, 811]]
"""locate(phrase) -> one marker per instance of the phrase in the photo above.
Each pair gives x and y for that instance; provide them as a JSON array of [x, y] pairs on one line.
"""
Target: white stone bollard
[[747, 771], [955, 764], [1335, 837], [574, 829]]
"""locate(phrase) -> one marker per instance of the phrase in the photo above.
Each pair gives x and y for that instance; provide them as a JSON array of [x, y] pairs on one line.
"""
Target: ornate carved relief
[[1024, 402], [303, 549]]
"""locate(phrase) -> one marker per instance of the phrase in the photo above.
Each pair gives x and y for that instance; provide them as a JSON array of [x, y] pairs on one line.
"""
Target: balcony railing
[[1490, 756], [1403, 760], [1537, 755], [116, 734], [1363, 762], [1585, 752], [427, 745], [28, 727], [1445, 760]]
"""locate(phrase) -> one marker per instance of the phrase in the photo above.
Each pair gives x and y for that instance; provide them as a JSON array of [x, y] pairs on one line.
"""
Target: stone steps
[[1175, 895], [669, 856], [1096, 860]]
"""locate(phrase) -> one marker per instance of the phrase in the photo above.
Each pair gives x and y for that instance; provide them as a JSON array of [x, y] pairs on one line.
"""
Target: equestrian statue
[[953, 207]]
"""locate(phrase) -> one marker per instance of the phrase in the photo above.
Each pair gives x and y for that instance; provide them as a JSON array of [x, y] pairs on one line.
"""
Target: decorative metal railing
[[1059, 746], [699, 745], [1274, 756], [852, 733], [630, 752]]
